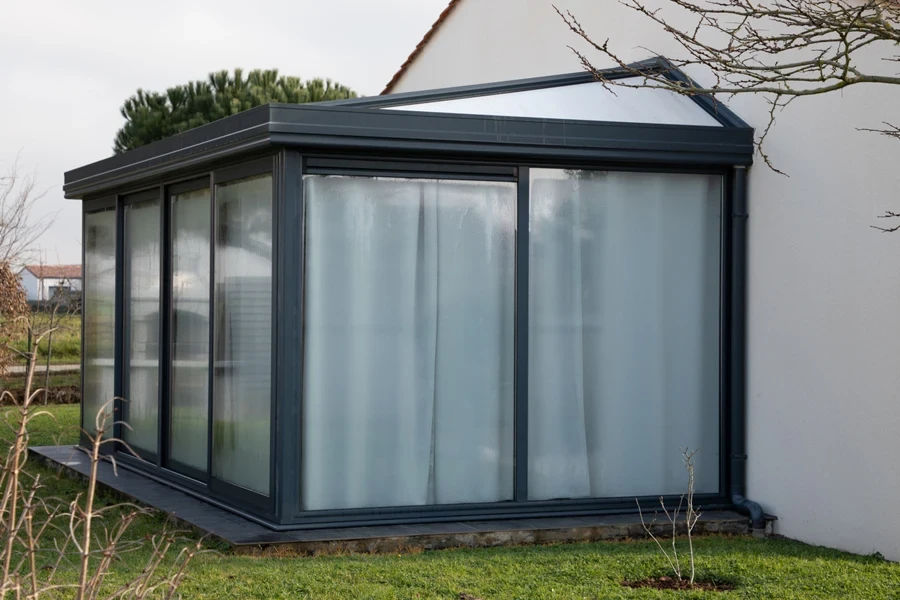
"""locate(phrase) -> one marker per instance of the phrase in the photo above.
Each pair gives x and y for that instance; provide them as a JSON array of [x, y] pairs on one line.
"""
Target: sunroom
[[507, 300]]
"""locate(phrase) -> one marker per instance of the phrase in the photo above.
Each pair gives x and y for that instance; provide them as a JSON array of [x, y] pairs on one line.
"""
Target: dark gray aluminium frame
[[356, 137]]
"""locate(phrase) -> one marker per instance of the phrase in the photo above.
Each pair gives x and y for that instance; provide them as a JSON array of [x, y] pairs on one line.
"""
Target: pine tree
[[151, 116]]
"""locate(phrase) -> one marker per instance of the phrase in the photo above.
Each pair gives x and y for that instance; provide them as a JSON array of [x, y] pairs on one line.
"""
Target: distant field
[[66, 339]]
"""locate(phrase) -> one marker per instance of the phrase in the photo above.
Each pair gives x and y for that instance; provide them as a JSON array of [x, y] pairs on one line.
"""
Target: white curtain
[[409, 343], [623, 332]]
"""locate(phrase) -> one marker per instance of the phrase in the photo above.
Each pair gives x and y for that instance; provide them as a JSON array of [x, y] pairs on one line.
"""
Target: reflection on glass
[[409, 342], [190, 329], [99, 314], [623, 332], [243, 333], [142, 239]]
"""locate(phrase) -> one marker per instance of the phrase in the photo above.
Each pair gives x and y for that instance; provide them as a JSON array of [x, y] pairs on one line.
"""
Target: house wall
[[823, 324], [36, 289], [75, 284], [30, 284]]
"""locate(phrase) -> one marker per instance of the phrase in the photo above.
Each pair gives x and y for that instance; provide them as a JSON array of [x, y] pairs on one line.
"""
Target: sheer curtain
[[623, 332], [408, 344]]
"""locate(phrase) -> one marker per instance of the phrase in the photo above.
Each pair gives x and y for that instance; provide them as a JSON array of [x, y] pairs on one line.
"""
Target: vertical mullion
[[737, 348], [289, 338], [165, 323], [276, 370], [210, 417], [120, 380], [521, 336], [725, 319], [84, 294]]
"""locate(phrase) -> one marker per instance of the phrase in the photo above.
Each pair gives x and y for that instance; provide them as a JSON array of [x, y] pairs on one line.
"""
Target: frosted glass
[[243, 333], [409, 342], [142, 325], [99, 314], [623, 333], [586, 101], [189, 418]]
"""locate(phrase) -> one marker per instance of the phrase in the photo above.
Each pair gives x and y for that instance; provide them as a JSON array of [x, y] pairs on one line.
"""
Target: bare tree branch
[[19, 229], [779, 49]]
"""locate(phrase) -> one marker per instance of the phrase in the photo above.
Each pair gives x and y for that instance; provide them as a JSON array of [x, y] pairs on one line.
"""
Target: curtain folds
[[408, 343], [409, 338], [623, 332]]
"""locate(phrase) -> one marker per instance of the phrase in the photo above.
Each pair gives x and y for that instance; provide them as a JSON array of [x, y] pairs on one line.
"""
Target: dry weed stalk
[[43, 539]]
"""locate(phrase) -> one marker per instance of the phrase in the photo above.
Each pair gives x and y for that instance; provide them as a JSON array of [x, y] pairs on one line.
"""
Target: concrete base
[[249, 537]]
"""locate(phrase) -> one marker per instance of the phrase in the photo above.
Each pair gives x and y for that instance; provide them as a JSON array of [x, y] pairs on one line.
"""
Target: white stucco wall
[[36, 289], [30, 284], [824, 324]]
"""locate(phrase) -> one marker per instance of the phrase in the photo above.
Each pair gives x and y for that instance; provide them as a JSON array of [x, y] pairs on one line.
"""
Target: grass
[[761, 569], [66, 342]]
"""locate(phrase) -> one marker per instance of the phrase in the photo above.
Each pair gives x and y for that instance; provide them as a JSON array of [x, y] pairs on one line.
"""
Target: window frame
[[90, 207], [126, 333], [231, 497], [331, 135], [264, 505], [412, 167], [167, 368]]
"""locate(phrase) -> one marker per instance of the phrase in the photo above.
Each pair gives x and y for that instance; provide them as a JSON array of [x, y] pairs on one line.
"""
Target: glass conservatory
[[502, 300]]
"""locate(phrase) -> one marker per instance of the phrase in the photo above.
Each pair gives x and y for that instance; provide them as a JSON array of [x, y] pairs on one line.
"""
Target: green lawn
[[775, 569]]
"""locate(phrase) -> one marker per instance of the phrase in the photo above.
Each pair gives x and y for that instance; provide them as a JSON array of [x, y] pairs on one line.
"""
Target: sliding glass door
[[220, 341], [623, 333], [409, 342], [142, 323], [409, 346], [242, 330], [99, 318], [189, 213], [221, 335]]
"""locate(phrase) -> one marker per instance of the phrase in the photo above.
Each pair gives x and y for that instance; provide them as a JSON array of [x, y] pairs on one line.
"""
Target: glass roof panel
[[585, 101]]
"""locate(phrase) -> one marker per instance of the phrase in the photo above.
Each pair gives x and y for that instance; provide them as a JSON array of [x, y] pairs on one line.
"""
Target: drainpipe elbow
[[753, 510]]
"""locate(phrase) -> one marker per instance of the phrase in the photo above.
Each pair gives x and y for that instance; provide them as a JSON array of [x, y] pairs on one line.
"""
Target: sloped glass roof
[[585, 101]]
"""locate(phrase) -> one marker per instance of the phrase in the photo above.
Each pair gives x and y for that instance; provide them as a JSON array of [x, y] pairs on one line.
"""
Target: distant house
[[46, 282]]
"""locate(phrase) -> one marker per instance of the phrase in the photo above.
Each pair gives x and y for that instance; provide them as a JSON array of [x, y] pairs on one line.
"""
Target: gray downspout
[[738, 424]]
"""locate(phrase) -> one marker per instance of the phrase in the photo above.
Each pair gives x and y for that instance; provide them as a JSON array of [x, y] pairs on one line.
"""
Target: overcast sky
[[68, 65]]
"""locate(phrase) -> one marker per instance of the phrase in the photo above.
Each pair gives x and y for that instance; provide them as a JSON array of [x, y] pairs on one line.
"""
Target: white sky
[[66, 67]]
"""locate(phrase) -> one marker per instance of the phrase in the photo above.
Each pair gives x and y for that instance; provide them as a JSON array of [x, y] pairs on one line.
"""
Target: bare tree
[[691, 516], [779, 49], [19, 228]]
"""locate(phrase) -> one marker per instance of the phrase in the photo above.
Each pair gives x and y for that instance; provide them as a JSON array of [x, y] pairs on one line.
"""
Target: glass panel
[[586, 101], [243, 333], [408, 343], [142, 325], [189, 417], [623, 333], [99, 314]]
